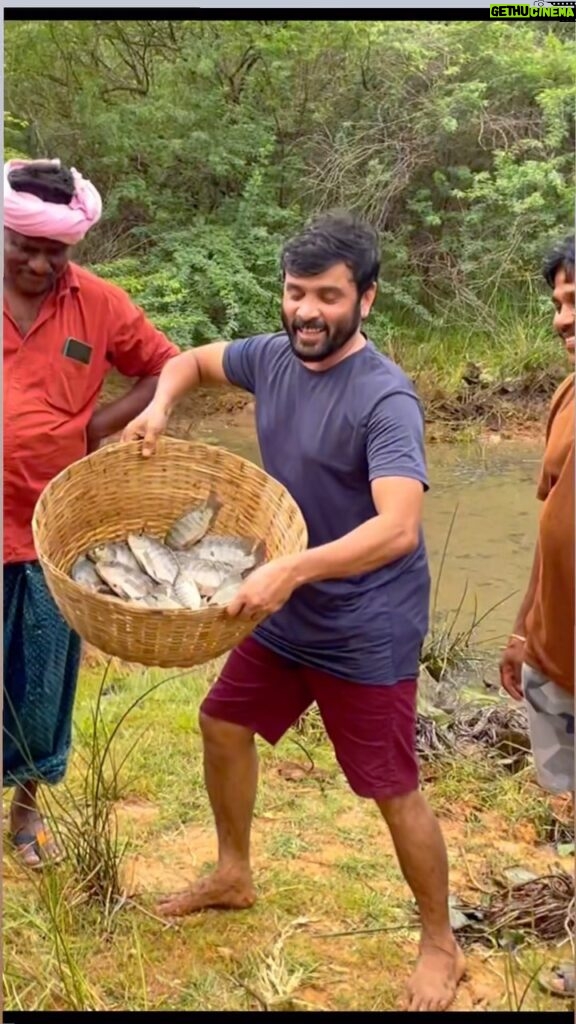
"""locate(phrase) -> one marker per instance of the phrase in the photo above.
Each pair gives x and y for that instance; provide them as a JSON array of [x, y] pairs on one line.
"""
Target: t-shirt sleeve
[[136, 347], [395, 439], [243, 361]]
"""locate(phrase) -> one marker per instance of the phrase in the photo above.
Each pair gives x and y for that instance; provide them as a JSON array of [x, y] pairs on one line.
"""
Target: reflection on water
[[490, 492], [491, 495]]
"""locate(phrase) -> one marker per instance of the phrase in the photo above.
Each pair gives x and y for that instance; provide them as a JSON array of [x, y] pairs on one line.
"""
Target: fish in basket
[[142, 556], [188, 569]]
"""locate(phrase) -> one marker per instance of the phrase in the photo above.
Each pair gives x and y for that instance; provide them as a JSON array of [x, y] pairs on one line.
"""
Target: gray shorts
[[551, 723]]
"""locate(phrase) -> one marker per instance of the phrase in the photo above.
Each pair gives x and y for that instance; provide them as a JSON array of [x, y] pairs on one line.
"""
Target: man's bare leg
[[422, 857], [231, 775]]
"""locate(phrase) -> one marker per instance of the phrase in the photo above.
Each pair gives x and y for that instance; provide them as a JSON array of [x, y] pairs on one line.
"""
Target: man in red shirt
[[64, 329]]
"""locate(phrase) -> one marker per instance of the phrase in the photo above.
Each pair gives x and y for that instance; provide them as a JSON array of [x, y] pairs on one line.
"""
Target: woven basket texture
[[114, 492]]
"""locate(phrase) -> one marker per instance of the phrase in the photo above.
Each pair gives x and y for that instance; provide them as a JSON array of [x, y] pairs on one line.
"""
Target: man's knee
[[398, 807], [224, 738]]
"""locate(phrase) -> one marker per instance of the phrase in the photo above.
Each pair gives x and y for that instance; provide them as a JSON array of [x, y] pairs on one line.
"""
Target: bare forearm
[[372, 545], [109, 419], [528, 600], [179, 376]]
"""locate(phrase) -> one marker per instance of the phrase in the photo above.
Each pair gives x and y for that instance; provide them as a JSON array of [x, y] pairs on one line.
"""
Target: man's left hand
[[266, 590]]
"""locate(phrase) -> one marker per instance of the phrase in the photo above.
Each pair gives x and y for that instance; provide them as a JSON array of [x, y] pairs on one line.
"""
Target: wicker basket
[[116, 491]]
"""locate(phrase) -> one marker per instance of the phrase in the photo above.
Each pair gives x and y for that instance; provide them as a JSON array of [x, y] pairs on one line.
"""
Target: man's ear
[[367, 300]]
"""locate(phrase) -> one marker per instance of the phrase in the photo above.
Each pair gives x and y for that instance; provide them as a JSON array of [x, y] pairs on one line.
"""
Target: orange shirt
[[49, 397], [550, 625]]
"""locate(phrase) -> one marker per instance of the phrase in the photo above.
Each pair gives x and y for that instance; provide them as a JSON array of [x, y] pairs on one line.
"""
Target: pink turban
[[63, 222]]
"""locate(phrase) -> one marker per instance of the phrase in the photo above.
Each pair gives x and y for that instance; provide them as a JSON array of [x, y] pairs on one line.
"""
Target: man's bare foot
[[438, 973], [219, 890], [31, 841]]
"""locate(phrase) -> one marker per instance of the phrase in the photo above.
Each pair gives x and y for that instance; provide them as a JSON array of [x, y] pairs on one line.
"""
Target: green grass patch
[[333, 926]]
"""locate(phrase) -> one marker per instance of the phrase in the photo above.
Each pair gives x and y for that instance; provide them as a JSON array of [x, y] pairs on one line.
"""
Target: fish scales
[[193, 524], [157, 560]]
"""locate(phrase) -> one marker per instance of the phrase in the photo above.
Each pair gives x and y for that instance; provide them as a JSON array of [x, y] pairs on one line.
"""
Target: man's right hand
[[148, 426], [511, 667]]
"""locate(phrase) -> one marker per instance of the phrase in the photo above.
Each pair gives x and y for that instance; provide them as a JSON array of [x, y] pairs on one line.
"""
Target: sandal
[[559, 981], [35, 850]]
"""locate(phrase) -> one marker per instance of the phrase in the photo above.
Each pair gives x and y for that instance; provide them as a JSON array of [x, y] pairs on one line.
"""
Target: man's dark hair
[[334, 238], [50, 183], [561, 257]]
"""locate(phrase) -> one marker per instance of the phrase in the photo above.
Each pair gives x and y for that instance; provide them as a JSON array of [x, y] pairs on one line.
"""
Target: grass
[[439, 359], [334, 924], [509, 340], [479, 364]]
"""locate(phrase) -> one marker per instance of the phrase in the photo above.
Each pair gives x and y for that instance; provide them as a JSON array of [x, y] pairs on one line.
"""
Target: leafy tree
[[211, 141]]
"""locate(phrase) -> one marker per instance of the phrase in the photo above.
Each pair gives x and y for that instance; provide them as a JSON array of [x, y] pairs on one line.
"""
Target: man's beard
[[332, 339]]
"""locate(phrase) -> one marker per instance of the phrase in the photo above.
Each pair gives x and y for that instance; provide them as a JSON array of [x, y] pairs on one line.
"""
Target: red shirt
[[49, 397]]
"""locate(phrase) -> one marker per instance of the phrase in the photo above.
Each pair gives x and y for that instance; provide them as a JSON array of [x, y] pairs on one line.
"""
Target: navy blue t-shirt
[[325, 435]]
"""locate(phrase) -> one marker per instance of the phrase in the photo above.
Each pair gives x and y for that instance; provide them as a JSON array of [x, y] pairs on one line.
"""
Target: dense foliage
[[212, 141]]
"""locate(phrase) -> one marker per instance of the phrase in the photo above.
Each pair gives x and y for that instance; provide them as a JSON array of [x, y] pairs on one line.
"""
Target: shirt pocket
[[72, 385]]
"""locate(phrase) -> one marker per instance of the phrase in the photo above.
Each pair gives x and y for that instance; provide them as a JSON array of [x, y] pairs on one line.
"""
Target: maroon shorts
[[372, 728]]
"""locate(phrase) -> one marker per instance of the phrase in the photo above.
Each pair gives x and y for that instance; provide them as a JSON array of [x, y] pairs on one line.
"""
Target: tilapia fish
[[189, 570], [158, 600], [207, 576], [84, 572], [114, 551], [239, 553], [124, 581], [191, 527], [186, 593], [188, 561], [227, 590], [154, 558]]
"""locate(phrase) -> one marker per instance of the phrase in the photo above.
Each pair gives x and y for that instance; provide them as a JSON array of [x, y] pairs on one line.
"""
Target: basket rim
[[104, 599]]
